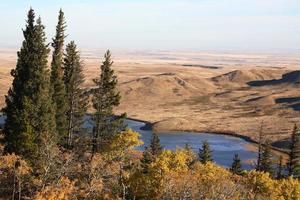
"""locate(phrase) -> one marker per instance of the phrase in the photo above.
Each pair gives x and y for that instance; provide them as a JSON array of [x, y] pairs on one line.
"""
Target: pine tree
[[151, 152], [76, 95], [294, 154], [260, 144], [58, 88], [236, 166], [29, 109], [188, 147], [191, 154], [147, 159], [280, 168], [105, 98], [266, 158], [155, 145], [205, 153]]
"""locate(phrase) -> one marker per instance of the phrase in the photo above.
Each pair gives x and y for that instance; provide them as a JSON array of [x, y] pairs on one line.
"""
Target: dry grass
[[158, 88]]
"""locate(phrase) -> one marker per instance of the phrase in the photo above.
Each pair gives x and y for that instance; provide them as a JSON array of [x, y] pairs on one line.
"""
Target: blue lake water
[[223, 147]]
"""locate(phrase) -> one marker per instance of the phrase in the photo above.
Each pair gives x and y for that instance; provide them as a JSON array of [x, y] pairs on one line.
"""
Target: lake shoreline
[[251, 146]]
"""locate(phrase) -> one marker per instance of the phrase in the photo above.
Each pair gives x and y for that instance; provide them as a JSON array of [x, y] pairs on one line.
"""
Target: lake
[[223, 147]]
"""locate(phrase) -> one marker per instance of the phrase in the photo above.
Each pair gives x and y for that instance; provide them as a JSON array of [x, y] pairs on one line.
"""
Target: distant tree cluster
[[265, 160], [47, 154]]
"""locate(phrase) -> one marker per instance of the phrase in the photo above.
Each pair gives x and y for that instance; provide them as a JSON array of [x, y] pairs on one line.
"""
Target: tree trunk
[[70, 134], [19, 182], [14, 187]]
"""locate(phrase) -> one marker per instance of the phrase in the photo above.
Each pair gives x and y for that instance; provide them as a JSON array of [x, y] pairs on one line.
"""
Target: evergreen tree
[[105, 98], [151, 152], [192, 156], [236, 166], [205, 153], [266, 158], [58, 88], [294, 154], [76, 95], [260, 146], [155, 145], [188, 147], [280, 168], [29, 110], [147, 159]]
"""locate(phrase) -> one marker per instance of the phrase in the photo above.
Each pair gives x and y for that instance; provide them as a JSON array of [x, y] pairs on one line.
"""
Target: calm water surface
[[223, 147]]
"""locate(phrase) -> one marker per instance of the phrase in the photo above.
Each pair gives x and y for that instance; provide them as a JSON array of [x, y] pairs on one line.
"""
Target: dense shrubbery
[[118, 174]]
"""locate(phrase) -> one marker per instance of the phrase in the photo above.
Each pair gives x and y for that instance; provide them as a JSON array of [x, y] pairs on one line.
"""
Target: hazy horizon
[[186, 25]]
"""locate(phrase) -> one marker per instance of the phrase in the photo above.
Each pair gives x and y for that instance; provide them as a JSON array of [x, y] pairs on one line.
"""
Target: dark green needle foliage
[[266, 158], [105, 98], [205, 153], [294, 154], [155, 145], [151, 152], [29, 109], [192, 155], [260, 146], [147, 159], [236, 166], [280, 168], [58, 88], [76, 96]]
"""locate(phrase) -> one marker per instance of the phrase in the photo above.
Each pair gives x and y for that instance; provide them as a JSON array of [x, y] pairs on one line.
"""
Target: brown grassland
[[206, 92]]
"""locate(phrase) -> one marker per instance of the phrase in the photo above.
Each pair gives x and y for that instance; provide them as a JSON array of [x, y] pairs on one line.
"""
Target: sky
[[181, 25]]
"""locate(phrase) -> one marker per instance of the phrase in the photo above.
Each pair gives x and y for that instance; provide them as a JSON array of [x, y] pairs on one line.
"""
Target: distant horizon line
[[85, 49]]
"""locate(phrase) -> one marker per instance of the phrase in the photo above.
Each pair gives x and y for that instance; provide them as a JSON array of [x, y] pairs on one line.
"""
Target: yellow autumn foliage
[[170, 161], [211, 172], [14, 163], [14, 172], [121, 144], [169, 176], [64, 190], [290, 189], [126, 140], [261, 186]]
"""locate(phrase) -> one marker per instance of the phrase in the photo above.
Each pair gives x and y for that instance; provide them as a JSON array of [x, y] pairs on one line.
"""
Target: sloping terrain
[[166, 86], [241, 77], [222, 103], [292, 77], [181, 94]]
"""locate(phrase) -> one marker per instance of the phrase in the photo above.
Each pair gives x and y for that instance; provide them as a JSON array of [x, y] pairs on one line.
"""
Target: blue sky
[[239, 25]]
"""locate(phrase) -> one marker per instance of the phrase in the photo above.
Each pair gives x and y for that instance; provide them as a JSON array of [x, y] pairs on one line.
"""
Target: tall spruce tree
[[147, 159], [294, 154], [280, 168], [76, 95], [236, 166], [155, 145], [57, 74], [192, 157], [29, 109], [151, 152], [260, 146], [266, 158], [205, 153], [105, 98]]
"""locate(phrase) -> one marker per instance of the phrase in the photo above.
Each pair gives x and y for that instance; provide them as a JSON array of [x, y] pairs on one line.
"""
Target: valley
[[203, 92]]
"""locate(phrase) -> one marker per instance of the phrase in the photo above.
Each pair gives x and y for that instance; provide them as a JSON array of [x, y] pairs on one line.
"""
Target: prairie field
[[200, 91]]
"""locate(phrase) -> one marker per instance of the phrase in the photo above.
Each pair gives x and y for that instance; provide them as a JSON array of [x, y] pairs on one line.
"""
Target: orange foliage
[[64, 190]]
